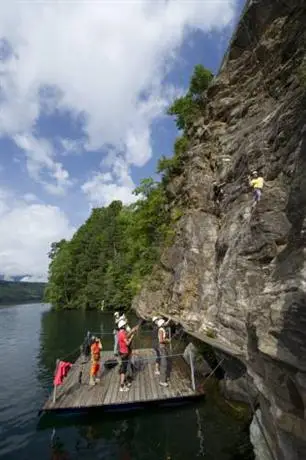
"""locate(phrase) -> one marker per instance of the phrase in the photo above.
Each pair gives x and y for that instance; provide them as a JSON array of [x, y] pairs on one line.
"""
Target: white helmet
[[121, 323], [155, 318], [116, 314], [160, 322]]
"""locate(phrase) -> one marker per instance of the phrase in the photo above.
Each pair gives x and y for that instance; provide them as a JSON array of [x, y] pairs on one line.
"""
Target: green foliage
[[180, 145], [211, 333], [187, 108], [145, 188], [200, 81], [20, 292], [176, 214], [111, 254], [171, 166], [184, 109]]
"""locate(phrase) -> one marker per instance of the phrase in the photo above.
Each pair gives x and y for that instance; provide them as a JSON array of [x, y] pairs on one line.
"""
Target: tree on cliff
[[188, 107]]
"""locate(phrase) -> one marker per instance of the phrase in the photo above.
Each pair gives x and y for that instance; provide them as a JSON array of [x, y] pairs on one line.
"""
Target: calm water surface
[[31, 338]]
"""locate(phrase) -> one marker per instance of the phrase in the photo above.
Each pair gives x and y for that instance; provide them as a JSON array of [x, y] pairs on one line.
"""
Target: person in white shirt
[[115, 332], [163, 348]]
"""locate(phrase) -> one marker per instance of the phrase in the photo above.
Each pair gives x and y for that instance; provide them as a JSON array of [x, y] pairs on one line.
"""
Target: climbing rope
[[214, 370]]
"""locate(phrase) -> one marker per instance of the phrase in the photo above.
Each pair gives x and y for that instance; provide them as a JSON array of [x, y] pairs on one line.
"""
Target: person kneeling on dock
[[124, 340], [163, 349], [95, 350]]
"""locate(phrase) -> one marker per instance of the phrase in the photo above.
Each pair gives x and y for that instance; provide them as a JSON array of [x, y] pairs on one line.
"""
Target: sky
[[84, 88]]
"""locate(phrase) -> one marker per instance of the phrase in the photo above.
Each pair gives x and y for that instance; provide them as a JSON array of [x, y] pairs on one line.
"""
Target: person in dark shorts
[[124, 340], [155, 344], [164, 352]]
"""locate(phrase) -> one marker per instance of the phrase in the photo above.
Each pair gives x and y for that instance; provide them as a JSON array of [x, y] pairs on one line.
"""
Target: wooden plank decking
[[73, 395]]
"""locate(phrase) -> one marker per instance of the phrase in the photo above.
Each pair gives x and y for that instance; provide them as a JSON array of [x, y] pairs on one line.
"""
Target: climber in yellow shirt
[[257, 183]]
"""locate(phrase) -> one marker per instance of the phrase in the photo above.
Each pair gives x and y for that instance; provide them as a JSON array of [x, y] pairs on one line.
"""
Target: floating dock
[[76, 395]]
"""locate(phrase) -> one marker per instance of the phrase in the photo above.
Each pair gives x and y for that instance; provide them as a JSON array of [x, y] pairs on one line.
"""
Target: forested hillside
[[109, 257], [16, 292]]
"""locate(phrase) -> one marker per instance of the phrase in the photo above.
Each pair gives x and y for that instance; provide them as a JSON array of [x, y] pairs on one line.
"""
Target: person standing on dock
[[124, 318], [95, 350], [124, 341], [163, 349], [116, 330], [155, 344]]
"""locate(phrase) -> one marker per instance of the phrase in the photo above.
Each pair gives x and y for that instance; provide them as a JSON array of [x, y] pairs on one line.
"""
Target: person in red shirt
[[95, 350], [124, 341]]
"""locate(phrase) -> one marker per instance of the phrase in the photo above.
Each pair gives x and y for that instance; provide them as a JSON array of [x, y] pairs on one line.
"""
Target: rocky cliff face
[[238, 273]]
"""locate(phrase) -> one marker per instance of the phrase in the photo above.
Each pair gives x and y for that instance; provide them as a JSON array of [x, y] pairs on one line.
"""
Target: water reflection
[[195, 431]]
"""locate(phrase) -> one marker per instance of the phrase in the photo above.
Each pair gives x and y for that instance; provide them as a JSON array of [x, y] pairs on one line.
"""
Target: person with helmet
[[115, 332], [95, 350], [257, 183], [124, 318], [163, 349], [124, 341], [155, 344]]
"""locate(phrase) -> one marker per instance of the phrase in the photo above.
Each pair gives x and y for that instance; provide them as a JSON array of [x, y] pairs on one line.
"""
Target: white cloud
[[103, 62], [40, 158], [34, 279], [26, 232], [103, 188], [30, 197], [71, 146]]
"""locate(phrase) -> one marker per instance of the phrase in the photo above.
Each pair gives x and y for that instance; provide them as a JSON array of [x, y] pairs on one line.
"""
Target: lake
[[32, 337]]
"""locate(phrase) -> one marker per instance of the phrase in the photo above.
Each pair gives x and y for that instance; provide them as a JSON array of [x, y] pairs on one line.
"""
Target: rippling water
[[32, 337]]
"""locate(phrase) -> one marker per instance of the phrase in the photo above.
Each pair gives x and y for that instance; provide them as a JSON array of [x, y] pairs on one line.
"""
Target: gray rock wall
[[238, 273]]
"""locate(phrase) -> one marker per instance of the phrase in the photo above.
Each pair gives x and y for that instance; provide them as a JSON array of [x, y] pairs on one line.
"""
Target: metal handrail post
[[170, 339], [192, 371], [54, 386]]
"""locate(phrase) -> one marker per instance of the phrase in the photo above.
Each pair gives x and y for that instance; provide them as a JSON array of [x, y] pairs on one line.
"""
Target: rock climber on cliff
[[257, 183]]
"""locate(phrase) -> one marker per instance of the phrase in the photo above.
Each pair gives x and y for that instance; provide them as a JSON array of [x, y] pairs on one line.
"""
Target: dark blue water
[[32, 337]]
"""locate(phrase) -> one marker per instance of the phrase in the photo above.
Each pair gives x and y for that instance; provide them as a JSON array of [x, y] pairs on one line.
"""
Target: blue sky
[[84, 90]]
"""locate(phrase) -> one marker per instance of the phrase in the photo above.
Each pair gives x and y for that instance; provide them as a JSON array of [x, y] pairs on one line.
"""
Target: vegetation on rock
[[111, 255], [189, 107]]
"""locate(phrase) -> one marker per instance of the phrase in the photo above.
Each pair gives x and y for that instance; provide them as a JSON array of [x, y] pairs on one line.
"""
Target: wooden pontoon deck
[[76, 397]]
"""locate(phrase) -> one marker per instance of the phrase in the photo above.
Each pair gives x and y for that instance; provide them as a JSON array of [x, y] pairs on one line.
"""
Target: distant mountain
[[11, 278], [21, 278], [20, 292]]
